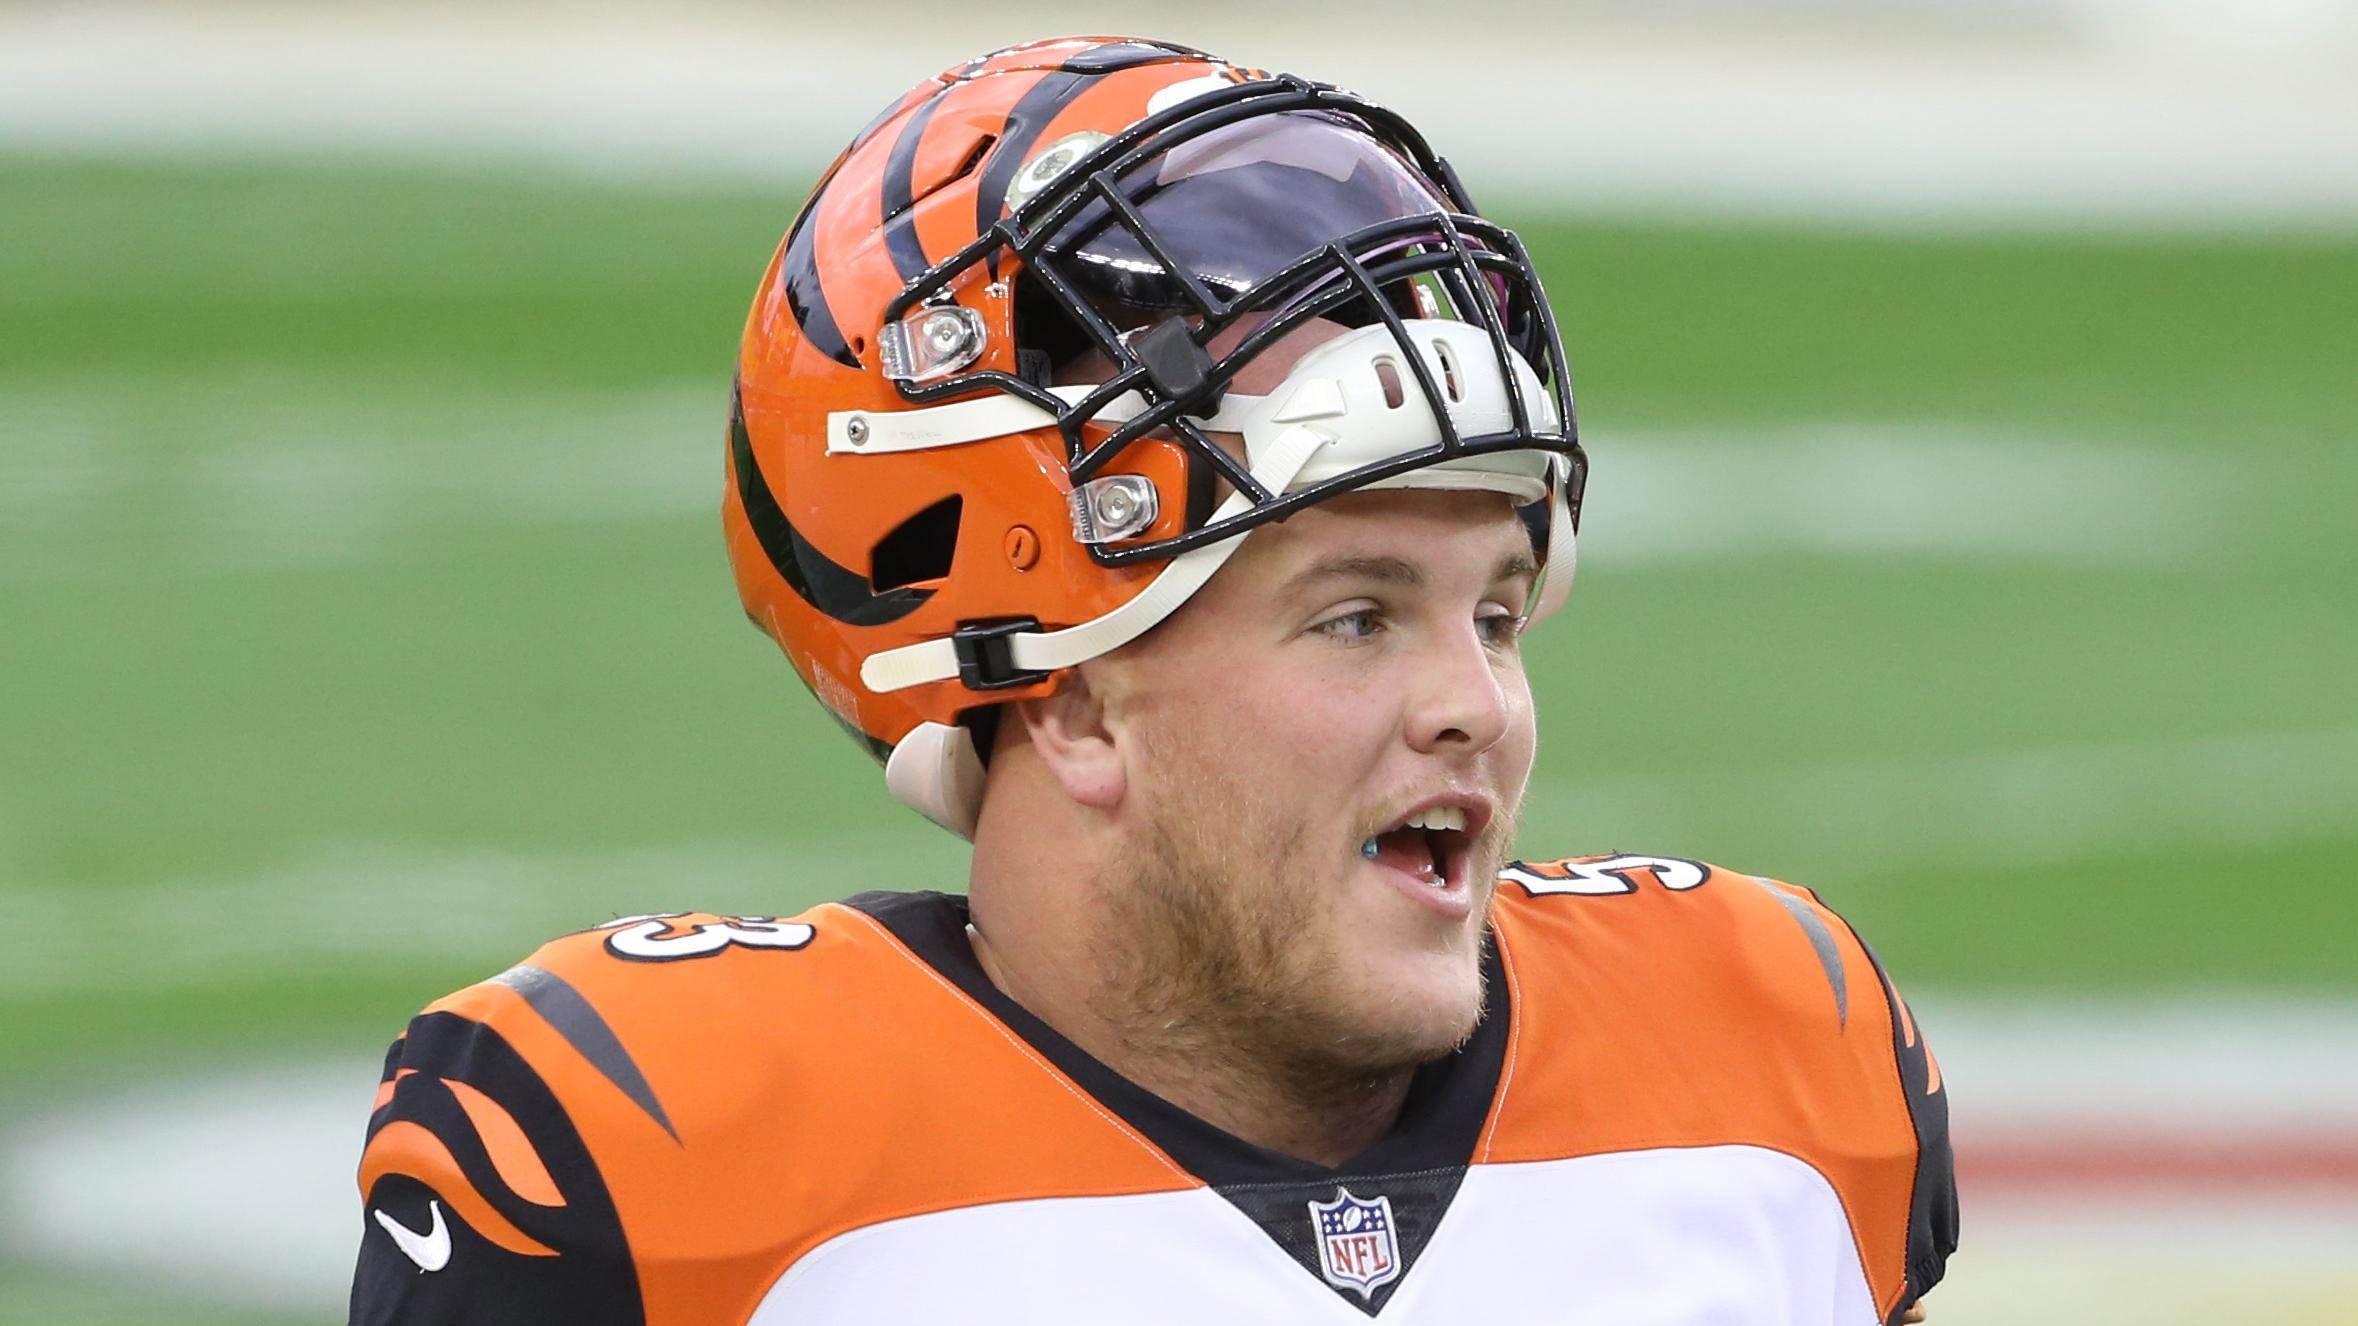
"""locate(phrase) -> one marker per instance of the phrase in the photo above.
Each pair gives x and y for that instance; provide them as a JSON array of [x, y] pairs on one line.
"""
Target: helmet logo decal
[[816, 579], [1050, 162]]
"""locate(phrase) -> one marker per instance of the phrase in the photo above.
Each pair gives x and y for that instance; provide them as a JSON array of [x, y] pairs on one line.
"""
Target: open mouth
[[1431, 846]]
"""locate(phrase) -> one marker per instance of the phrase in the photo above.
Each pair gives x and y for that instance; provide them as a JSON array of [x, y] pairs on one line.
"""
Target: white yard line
[[341, 901], [2196, 1064], [252, 479], [1864, 488], [2254, 790], [338, 901], [283, 474], [237, 1187]]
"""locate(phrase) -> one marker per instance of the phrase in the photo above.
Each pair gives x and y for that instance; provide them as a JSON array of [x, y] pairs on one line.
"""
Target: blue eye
[[1502, 629], [1360, 625]]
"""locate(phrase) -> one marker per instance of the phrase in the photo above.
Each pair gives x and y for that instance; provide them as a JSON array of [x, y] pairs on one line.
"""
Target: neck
[[1217, 1071]]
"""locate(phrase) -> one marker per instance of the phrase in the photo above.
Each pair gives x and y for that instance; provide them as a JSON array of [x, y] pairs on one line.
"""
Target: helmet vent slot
[[974, 156], [919, 548], [1451, 382], [924, 182], [1388, 373]]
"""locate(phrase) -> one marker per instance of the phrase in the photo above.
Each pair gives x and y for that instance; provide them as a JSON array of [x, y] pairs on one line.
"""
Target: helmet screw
[[855, 430], [1116, 506], [946, 333], [1023, 547]]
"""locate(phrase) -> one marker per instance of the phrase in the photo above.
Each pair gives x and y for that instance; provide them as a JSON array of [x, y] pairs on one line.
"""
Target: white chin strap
[[1348, 403]]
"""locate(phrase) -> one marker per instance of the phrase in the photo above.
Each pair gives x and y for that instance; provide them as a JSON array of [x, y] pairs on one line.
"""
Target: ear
[[1070, 733]]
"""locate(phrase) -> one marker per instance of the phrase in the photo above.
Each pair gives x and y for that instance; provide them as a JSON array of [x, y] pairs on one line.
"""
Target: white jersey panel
[[1155, 1259], [1719, 1235], [1703, 1236]]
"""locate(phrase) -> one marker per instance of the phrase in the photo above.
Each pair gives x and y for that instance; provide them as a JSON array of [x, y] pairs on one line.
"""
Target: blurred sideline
[[110, 1184], [1961, 114]]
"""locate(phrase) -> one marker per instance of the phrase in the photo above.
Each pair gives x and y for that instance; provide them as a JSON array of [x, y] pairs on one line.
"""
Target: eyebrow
[[1401, 571]]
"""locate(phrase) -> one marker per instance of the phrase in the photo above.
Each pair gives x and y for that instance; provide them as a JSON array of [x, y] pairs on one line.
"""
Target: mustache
[[1506, 820], [1496, 846]]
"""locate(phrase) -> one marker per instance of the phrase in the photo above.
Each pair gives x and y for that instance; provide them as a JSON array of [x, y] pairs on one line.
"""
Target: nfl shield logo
[[1356, 1246]]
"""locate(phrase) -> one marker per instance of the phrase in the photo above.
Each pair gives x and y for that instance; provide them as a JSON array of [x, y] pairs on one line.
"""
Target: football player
[[1156, 464]]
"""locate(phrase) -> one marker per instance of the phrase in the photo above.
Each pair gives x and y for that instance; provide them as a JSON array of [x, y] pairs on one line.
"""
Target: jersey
[[1692, 1097]]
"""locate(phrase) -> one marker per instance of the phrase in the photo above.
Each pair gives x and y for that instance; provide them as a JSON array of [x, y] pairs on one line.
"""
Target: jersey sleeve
[[1933, 1218], [1729, 1008], [1933, 1207], [481, 1203]]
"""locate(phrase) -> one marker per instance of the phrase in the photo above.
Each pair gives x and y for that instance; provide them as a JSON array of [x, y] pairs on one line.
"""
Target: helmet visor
[[1237, 205]]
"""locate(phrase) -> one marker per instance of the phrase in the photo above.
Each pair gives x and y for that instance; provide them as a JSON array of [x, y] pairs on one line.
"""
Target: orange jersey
[[1693, 1097]]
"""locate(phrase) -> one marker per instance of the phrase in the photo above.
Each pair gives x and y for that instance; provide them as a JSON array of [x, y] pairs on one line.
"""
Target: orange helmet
[[931, 522]]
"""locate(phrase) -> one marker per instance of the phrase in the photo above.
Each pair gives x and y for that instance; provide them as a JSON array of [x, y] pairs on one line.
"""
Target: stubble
[[1218, 952]]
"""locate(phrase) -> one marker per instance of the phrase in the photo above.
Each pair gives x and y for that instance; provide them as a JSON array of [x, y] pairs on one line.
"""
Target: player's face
[[1352, 671]]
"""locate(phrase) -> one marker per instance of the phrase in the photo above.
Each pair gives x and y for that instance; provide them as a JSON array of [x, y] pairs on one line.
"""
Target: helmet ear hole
[[1044, 329], [919, 548]]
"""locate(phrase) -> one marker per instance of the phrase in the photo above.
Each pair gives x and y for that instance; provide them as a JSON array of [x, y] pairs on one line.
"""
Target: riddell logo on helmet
[[834, 694]]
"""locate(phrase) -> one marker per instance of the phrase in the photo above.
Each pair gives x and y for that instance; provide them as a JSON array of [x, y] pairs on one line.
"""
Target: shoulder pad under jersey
[[1684, 1004], [647, 1121]]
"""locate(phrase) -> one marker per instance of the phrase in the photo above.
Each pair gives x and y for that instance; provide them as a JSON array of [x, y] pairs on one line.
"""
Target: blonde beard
[[1206, 960]]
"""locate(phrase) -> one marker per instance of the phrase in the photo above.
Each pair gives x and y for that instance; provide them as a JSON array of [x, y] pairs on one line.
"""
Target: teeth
[[1440, 817]]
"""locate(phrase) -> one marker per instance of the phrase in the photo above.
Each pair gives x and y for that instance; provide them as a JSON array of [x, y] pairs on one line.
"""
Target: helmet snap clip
[[986, 658], [1114, 507], [931, 343]]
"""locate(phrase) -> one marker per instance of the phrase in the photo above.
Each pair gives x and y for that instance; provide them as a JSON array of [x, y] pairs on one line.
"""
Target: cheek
[[1263, 763], [1521, 741], [1512, 759], [1271, 721], [1328, 739]]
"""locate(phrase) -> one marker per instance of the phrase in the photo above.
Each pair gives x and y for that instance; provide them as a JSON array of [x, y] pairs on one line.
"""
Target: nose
[[1461, 702]]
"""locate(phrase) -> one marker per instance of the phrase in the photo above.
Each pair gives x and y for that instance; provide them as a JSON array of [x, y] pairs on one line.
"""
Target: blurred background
[[1972, 387]]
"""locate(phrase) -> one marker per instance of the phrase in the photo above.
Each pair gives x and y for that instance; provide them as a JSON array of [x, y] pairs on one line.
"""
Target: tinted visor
[[1237, 205], [1232, 221]]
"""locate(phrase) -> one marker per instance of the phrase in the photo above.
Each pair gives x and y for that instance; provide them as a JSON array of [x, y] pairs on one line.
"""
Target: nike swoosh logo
[[430, 1250]]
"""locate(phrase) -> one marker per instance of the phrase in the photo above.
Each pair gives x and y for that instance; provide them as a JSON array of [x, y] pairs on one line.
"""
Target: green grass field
[[366, 619]]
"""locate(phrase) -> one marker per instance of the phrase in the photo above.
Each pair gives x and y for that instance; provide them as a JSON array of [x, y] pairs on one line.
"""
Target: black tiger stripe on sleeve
[[481, 1203], [1933, 1206]]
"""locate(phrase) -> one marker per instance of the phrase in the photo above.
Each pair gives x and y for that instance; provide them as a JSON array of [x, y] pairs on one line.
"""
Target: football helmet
[[972, 438]]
